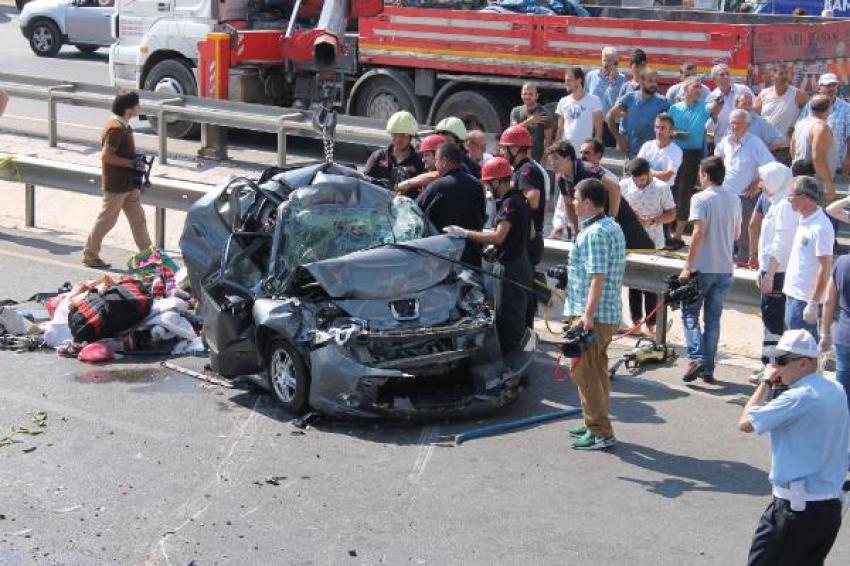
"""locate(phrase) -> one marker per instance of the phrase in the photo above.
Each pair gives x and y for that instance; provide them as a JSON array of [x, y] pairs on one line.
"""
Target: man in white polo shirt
[[810, 262]]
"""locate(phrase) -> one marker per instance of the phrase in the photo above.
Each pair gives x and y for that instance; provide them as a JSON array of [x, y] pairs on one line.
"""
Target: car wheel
[[87, 49], [45, 39], [176, 78], [288, 378]]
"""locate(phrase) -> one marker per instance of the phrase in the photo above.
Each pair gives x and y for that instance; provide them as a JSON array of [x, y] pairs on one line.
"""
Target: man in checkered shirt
[[595, 279]]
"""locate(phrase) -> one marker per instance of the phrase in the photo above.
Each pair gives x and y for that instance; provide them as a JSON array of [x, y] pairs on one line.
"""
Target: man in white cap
[[807, 418], [838, 119]]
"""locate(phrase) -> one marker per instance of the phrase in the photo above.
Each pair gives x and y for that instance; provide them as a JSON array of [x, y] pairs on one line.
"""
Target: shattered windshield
[[314, 232]]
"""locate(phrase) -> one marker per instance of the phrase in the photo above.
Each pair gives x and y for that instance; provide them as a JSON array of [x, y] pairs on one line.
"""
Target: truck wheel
[[478, 110], [382, 97], [86, 48], [288, 378], [45, 39], [173, 77]]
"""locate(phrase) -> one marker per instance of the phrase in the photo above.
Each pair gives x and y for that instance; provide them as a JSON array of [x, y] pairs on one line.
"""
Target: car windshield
[[356, 217]]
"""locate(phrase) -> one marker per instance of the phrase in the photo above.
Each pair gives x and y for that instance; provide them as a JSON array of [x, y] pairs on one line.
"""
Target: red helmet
[[516, 136], [496, 168], [431, 143]]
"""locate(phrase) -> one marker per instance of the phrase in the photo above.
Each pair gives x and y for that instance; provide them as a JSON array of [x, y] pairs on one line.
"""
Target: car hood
[[390, 271], [42, 5]]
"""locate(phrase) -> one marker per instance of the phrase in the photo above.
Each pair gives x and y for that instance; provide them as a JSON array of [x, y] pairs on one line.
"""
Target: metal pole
[[281, 144], [51, 121], [162, 133], [661, 324], [159, 227], [29, 205]]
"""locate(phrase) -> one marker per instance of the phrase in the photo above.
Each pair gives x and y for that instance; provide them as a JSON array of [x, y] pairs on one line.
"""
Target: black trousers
[[795, 538], [773, 314], [642, 303], [512, 311]]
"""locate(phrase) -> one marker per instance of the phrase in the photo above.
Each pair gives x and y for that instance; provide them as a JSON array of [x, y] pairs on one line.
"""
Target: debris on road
[[197, 375], [513, 425]]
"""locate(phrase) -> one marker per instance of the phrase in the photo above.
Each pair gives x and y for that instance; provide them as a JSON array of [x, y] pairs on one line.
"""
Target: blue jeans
[[842, 368], [794, 317], [702, 343]]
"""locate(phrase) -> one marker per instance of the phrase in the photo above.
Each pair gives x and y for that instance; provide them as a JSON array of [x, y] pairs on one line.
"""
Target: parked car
[[345, 299], [49, 24]]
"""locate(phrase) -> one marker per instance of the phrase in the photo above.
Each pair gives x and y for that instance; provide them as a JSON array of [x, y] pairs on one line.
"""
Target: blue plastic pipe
[[511, 425]]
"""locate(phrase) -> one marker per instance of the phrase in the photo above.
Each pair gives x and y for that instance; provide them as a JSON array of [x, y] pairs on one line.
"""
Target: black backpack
[[103, 315]]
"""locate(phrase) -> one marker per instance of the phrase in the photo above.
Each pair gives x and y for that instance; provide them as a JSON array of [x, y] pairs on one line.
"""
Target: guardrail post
[[52, 126], [159, 227], [162, 128], [281, 143], [29, 205], [661, 323]]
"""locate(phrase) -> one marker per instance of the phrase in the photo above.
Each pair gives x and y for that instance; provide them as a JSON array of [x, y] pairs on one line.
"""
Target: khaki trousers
[[113, 203], [594, 387]]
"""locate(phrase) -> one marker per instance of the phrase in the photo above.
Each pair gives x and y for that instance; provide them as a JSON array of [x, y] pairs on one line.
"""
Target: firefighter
[[398, 161], [413, 186], [456, 198], [530, 178], [512, 227], [455, 131]]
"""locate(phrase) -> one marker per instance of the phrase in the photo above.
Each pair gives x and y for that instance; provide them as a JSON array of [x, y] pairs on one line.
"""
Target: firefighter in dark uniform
[[456, 198], [453, 129], [532, 180], [398, 161], [513, 225]]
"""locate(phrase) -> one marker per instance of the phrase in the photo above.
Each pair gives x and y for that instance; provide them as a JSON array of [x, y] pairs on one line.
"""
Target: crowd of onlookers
[[777, 152]]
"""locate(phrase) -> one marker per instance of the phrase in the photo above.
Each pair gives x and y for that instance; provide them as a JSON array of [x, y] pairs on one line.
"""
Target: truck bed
[[528, 46]]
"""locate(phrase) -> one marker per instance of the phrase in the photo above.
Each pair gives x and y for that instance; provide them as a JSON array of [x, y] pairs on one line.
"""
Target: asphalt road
[[138, 465]]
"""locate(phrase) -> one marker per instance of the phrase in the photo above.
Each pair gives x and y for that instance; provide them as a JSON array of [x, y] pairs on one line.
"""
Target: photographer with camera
[[807, 418], [716, 217], [120, 175], [596, 265]]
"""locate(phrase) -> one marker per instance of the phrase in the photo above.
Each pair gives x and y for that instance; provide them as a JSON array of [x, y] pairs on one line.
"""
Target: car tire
[[87, 48], [287, 376], [45, 38], [175, 77]]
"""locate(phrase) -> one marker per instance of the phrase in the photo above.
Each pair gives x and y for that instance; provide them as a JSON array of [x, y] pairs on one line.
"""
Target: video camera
[[559, 274], [576, 341], [679, 292], [140, 178]]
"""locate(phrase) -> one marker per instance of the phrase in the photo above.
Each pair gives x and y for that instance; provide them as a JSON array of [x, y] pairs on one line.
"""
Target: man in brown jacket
[[117, 156]]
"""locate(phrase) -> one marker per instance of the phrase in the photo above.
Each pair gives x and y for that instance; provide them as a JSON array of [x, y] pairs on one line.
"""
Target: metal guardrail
[[34, 172], [205, 111], [643, 271]]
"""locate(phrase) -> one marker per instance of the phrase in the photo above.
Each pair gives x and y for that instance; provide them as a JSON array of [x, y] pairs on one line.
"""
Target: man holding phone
[[807, 418]]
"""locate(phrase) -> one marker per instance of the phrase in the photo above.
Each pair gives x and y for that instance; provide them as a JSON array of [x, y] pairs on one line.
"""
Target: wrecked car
[[339, 296]]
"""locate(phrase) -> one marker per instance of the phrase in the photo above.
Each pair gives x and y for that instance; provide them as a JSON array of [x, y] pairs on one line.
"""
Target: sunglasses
[[779, 361]]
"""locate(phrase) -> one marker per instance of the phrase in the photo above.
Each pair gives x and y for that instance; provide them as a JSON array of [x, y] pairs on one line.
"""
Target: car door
[[87, 22]]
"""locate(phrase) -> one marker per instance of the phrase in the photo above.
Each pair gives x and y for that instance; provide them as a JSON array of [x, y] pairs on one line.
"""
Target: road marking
[[227, 467], [423, 453]]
